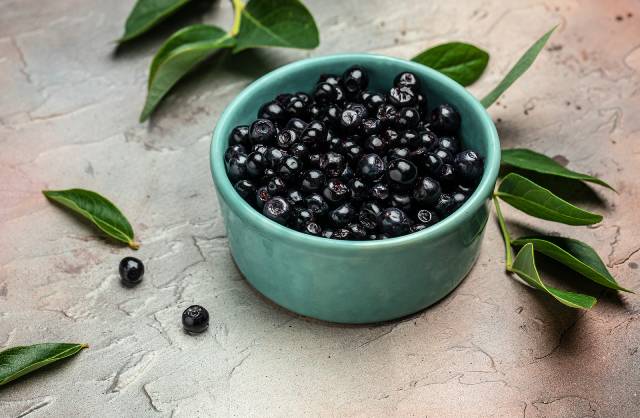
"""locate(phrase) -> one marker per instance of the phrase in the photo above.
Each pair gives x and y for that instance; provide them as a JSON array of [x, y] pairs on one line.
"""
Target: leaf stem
[[505, 234], [238, 6]]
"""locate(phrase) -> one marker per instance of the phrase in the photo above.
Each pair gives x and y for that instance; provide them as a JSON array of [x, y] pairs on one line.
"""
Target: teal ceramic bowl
[[355, 281]]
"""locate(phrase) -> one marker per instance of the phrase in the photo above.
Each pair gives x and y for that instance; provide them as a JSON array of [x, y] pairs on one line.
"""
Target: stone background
[[68, 118]]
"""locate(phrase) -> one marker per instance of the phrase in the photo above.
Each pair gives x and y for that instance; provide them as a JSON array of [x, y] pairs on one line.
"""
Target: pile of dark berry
[[347, 163]]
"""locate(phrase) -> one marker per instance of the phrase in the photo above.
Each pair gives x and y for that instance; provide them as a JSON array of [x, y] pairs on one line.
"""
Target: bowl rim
[[271, 228]]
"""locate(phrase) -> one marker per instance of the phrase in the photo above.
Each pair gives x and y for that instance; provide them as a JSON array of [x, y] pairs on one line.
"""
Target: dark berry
[[312, 180], [427, 192], [402, 96], [274, 157], [409, 139], [432, 165], [195, 319], [332, 116], [350, 120], [358, 108], [299, 150], [459, 198], [131, 271], [276, 186], [449, 143], [469, 167], [445, 120], [256, 164], [316, 204], [402, 173], [231, 151], [422, 104], [352, 150], [341, 234], [303, 97], [237, 167], [446, 176], [390, 137], [277, 209], [407, 79], [399, 152], [314, 135], [291, 167], [347, 174], [336, 191], [373, 102], [371, 167], [408, 118], [312, 228], [379, 191], [260, 149], [325, 93], [283, 98], [262, 131], [332, 79], [374, 144], [387, 114], [333, 164], [246, 189], [401, 201], [316, 111], [358, 189], [368, 215], [426, 217], [240, 136], [370, 126], [286, 138], [444, 155], [357, 231], [262, 197], [273, 111], [297, 108], [428, 139], [297, 125], [354, 80], [301, 217], [342, 215], [314, 160], [295, 197], [445, 205], [393, 222]]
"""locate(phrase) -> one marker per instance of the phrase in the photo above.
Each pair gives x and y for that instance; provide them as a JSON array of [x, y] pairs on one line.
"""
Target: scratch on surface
[[149, 398], [625, 259], [560, 338], [128, 373], [237, 365], [377, 337], [39, 405], [23, 62]]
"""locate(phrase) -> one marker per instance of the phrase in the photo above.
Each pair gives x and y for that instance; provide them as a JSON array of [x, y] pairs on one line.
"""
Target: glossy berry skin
[[290, 167], [276, 186], [286, 138], [237, 167], [314, 135], [312, 180], [371, 167], [274, 111], [240, 136], [469, 167], [342, 215], [427, 192], [387, 114], [447, 176], [409, 139], [301, 151], [297, 125], [370, 126], [459, 198], [312, 228], [449, 144], [375, 144], [432, 165], [401, 201], [399, 152], [350, 120], [402, 96], [274, 157], [426, 217], [393, 222], [445, 120], [262, 131], [246, 189], [374, 101], [295, 197], [256, 164], [332, 116], [131, 271], [333, 163], [301, 217], [332, 79], [336, 191], [379, 191], [407, 79], [316, 204], [428, 139], [402, 173], [357, 231], [444, 155], [233, 150], [408, 118], [354, 80], [368, 215], [277, 209], [325, 93], [262, 197], [195, 319], [359, 190], [445, 205]]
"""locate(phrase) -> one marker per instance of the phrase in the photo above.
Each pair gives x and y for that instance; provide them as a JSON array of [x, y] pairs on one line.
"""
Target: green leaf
[[525, 267], [535, 200], [177, 56], [148, 13], [98, 210], [527, 159], [462, 62], [520, 68], [280, 23], [574, 254], [18, 361]]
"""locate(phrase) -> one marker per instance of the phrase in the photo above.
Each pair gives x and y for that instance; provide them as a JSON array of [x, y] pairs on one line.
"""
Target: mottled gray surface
[[68, 118]]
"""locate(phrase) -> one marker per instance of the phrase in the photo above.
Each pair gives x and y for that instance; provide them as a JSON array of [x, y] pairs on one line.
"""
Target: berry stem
[[238, 6], [505, 234]]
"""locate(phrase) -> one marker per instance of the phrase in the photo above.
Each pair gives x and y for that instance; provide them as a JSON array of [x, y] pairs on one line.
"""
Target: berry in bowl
[[354, 188]]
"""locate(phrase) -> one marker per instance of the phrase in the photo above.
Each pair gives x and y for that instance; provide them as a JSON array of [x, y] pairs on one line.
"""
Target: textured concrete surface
[[68, 118]]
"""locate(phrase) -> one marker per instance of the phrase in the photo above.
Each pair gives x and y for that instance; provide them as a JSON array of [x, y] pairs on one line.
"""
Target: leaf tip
[[134, 245]]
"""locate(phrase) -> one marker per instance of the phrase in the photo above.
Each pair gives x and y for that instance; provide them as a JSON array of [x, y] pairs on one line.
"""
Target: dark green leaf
[[148, 13], [464, 63], [525, 267], [281, 23], [535, 200], [540, 163], [574, 254], [18, 361], [180, 54], [98, 210], [521, 66]]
